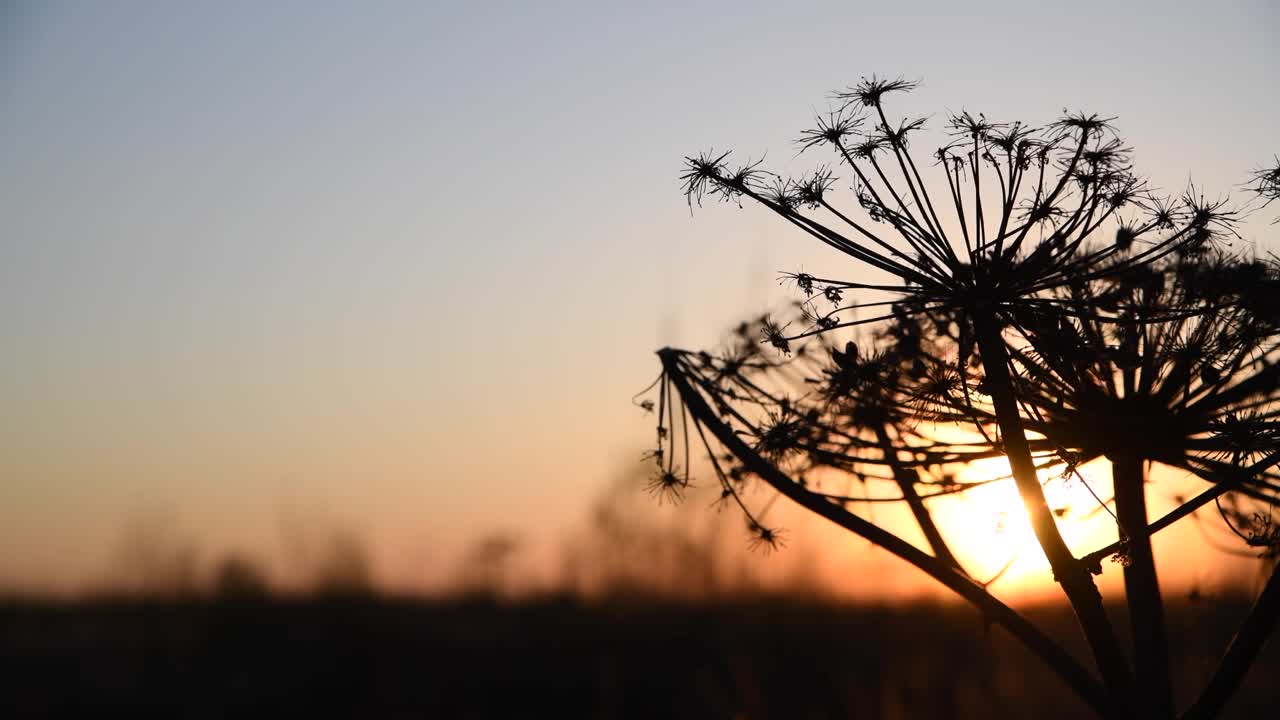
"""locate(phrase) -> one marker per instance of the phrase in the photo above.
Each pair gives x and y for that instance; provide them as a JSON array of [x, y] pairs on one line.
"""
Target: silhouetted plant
[[1179, 372], [344, 570], [1266, 184], [486, 566], [155, 559], [630, 550], [1049, 292], [238, 578]]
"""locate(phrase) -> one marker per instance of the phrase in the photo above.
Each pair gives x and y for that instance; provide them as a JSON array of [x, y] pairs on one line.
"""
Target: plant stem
[[906, 480], [1142, 590], [1053, 655], [1070, 573], [1248, 641]]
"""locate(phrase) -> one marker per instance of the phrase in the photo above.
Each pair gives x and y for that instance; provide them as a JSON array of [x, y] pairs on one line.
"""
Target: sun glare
[[992, 537]]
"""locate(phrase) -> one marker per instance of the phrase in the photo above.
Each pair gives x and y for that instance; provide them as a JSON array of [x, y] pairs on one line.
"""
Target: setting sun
[[991, 529]]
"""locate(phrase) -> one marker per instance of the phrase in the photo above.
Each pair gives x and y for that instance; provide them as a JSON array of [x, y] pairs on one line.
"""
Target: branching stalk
[[1070, 573], [1066, 667]]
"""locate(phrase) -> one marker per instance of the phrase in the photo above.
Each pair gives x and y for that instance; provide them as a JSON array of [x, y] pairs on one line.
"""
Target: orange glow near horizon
[[270, 278], [988, 528]]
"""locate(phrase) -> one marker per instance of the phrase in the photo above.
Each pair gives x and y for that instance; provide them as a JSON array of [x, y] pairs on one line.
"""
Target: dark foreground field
[[372, 658]]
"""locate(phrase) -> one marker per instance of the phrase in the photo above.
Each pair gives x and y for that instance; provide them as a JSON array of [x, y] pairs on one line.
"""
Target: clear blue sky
[[403, 264]]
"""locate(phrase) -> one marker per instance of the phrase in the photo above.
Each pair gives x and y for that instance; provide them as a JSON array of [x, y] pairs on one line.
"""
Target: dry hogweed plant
[[1036, 294]]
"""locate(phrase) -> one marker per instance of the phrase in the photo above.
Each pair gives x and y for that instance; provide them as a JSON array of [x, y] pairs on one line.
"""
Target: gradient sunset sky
[[399, 267]]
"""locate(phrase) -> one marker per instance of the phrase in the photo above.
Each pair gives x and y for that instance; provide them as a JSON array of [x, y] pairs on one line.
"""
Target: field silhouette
[[754, 657]]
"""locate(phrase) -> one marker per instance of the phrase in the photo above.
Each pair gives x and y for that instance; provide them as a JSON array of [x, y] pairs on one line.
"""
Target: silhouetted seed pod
[[1124, 237]]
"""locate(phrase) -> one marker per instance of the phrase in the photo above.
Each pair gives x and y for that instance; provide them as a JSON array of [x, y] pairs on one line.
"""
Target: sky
[[398, 268]]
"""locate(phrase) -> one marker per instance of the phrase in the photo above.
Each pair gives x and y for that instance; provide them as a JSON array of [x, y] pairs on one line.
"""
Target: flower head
[[870, 91], [764, 538], [775, 335], [668, 485], [1266, 182], [831, 129]]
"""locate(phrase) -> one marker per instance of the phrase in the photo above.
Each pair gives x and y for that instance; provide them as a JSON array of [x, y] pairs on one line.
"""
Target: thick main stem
[[1070, 573], [1142, 590]]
